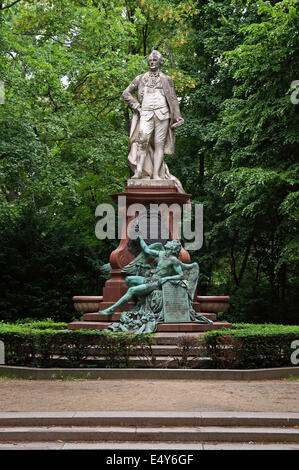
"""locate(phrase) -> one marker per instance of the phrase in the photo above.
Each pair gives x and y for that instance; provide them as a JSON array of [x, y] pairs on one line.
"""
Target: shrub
[[249, 346], [49, 344], [49, 347], [40, 324]]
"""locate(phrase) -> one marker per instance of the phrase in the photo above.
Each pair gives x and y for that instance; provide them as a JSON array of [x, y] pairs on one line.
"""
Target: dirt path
[[149, 395]]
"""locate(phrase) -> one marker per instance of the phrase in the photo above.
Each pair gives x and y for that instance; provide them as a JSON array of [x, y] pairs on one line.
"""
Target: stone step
[[169, 350], [88, 325], [146, 373], [162, 349], [193, 326], [165, 338], [169, 362], [162, 327], [143, 434], [172, 349], [116, 317], [139, 446], [149, 418]]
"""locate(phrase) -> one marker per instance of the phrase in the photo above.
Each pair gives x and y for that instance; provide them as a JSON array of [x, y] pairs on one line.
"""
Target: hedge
[[250, 346], [49, 344], [39, 324], [48, 347]]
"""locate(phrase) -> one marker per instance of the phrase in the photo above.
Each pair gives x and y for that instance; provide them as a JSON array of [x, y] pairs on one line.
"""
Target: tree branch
[[56, 107], [82, 80], [8, 6], [233, 265], [39, 34], [144, 38], [245, 259]]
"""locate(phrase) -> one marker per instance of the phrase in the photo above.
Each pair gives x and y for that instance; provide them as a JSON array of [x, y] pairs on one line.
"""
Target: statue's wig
[[175, 247], [157, 54]]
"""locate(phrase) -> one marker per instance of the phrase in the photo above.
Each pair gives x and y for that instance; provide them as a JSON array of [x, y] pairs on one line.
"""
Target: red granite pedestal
[[143, 192], [138, 194], [91, 319], [162, 327]]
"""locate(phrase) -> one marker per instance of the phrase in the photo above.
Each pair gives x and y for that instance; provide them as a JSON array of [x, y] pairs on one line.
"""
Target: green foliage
[[188, 353], [64, 137], [36, 345], [43, 264], [38, 325], [50, 344], [249, 346], [242, 125], [64, 134]]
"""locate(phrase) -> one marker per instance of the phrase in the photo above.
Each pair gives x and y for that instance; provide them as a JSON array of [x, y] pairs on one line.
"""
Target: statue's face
[[172, 250], [168, 251], [154, 63]]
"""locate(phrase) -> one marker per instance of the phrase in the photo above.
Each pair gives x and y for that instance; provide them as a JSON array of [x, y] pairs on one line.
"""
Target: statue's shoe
[[137, 176]]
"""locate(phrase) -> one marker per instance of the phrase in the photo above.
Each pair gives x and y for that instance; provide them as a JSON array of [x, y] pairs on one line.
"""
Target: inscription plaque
[[175, 303]]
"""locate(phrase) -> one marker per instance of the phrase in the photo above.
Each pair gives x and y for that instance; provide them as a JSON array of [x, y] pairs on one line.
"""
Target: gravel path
[[149, 395]]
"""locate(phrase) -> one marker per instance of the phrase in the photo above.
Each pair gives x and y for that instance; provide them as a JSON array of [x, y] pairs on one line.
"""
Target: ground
[[149, 395]]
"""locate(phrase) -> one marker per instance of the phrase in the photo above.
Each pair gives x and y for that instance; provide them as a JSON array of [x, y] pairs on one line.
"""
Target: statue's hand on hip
[[137, 110], [177, 123]]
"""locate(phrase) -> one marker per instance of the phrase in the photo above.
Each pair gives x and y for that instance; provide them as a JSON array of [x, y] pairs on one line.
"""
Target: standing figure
[[156, 114]]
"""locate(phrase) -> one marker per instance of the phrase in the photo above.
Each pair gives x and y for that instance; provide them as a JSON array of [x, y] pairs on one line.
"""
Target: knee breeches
[[150, 126]]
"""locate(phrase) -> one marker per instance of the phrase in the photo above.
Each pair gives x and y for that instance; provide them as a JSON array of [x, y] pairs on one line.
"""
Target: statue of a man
[[156, 113]]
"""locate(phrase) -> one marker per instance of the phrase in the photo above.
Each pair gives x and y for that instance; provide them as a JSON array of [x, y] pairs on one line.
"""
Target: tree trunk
[[201, 168]]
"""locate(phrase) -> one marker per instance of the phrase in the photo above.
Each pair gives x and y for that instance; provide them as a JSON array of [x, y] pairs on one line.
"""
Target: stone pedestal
[[191, 327], [145, 193], [209, 306]]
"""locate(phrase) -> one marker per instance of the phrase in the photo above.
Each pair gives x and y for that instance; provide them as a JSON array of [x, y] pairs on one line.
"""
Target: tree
[[64, 135], [64, 129], [249, 124]]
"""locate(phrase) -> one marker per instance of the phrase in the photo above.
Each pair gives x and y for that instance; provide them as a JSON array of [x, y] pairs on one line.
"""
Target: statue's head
[[173, 247], [155, 60]]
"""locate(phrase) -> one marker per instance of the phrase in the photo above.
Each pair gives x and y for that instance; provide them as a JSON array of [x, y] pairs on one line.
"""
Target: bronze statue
[[153, 268]]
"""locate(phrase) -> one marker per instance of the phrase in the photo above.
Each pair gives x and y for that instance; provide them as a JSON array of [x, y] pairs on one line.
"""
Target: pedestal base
[[93, 317], [145, 193], [208, 306], [162, 327], [142, 194], [91, 304]]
